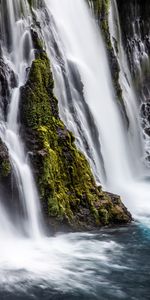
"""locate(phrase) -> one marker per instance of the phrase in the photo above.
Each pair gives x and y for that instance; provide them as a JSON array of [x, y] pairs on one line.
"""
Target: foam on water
[[60, 262], [76, 49]]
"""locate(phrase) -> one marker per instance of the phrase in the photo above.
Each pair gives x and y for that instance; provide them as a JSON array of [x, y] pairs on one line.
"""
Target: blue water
[[109, 264]]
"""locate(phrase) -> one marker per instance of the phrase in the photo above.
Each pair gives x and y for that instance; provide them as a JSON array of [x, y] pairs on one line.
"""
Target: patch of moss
[[104, 215], [5, 166]]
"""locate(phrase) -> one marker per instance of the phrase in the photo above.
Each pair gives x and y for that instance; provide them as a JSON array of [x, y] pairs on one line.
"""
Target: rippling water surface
[[109, 264]]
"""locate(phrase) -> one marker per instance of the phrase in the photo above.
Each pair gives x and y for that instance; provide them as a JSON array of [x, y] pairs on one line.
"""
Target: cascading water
[[118, 165], [136, 39], [17, 53], [129, 97], [97, 87], [136, 138], [72, 266], [74, 110]]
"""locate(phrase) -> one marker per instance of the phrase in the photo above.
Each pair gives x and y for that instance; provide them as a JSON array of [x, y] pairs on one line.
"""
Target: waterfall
[[74, 110], [128, 93], [17, 52], [96, 265], [80, 67], [86, 97], [98, 92]]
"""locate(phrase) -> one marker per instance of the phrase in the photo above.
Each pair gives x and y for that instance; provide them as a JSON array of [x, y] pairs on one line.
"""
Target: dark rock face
[[67, 189], [7, 81], [8, 185], [135, 24], [134, 18]]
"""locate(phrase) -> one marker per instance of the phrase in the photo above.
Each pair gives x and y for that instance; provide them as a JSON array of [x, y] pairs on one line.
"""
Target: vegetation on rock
[[66, 185], [5, 166]]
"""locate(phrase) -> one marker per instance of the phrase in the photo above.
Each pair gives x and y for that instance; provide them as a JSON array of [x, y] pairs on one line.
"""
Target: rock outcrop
[[67, 188]]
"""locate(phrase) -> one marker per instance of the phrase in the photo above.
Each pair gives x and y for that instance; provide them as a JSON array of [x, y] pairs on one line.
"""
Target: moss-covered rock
[[66, 185], [5, 166]]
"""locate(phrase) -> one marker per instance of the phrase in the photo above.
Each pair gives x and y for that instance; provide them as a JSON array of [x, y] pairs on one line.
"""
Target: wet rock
[[8, 186], [8, 81], [5, 166], [67, 189]]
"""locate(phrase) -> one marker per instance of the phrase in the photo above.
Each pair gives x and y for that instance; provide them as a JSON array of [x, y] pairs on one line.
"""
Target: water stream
[[117, 153], [116, 261], [18, 54]]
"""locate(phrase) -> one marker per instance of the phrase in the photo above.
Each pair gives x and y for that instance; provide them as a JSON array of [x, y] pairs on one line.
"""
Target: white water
[[58, 264], [139, 186], [95, 75], [121, 150], [129, 97], [19, 58], [62, 261]]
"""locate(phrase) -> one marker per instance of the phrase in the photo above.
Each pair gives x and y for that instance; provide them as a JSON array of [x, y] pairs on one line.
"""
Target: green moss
[[66, 177], [37, 111], [5, 168], [104, 216]]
